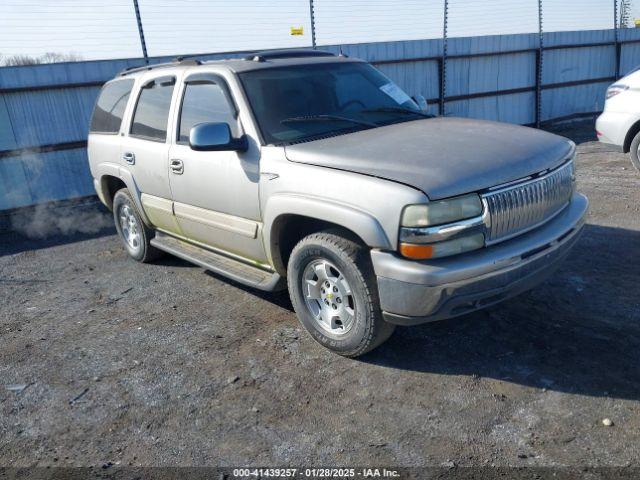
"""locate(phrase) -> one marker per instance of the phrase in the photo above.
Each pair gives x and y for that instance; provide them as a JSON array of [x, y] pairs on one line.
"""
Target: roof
[[255, 61]]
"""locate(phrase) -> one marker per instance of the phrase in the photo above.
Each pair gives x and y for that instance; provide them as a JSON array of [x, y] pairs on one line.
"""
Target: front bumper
[[612, 127], [414, 292]]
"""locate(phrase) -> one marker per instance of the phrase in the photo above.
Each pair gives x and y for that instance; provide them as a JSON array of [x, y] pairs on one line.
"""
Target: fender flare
[[113, 170], [363, 224]]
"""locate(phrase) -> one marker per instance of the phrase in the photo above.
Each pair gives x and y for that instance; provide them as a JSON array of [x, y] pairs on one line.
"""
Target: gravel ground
[[165, 364]]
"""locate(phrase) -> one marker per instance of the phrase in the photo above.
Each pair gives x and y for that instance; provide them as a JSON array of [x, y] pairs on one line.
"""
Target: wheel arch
[[633, 131], [290, 218], [111, 178], [109, 185]]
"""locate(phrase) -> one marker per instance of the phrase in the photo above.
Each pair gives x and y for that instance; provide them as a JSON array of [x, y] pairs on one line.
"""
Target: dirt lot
[[165, 364]]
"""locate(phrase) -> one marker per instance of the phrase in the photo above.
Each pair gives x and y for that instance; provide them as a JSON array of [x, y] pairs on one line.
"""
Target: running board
[[234, 269]]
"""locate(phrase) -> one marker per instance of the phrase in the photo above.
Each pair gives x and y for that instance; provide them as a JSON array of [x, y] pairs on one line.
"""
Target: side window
[[109, 109], [204, 102], [152, 111]]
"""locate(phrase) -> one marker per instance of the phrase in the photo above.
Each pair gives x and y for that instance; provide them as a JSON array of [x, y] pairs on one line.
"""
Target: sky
[[94, 29]]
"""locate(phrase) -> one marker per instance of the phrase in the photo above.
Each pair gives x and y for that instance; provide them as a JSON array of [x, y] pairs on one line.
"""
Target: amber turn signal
[[416, 252]]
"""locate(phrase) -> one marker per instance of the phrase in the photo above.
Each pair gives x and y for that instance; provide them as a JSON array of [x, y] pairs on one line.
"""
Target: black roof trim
[[286, 53]]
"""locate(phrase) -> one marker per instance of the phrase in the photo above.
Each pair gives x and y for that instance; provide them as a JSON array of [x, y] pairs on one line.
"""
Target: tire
[[633, 152], [135, 235], [345, 317]]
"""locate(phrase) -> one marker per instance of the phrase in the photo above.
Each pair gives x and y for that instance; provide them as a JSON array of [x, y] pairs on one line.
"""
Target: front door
[[215, 194]]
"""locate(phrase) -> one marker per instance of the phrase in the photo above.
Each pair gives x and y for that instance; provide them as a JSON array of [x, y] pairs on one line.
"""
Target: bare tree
[[14, 60], [53, 57], [49, 57]]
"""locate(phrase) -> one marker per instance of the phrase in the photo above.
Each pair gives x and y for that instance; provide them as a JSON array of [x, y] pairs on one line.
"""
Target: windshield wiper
[[397, 110], [325, 118]]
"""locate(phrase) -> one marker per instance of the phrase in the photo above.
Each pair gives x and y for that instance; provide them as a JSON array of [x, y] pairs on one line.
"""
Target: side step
[[234, 269]]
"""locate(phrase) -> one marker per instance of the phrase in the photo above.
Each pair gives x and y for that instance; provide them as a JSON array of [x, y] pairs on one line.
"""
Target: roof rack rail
[[286, 53], [175, 62], [187, 61]]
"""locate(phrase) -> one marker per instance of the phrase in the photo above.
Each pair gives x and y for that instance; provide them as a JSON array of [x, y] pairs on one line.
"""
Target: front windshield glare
[[304, 102]]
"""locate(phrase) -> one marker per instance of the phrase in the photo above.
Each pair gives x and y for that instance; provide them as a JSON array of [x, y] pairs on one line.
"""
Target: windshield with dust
[[304, 102]]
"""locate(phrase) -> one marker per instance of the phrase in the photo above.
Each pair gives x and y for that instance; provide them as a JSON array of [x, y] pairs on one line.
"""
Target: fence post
[[313, 24], [539, 63], [143, 44], [617, 37], [442, 64]]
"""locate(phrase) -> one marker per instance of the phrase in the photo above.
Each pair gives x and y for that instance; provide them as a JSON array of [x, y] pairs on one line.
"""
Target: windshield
[[303, 102]]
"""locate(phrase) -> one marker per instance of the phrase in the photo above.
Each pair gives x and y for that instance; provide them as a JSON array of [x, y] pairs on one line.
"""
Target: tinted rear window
[[152, 111], [108, 112]]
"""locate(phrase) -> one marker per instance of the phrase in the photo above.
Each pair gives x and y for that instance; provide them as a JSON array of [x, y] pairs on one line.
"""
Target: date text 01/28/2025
[[315, 472]]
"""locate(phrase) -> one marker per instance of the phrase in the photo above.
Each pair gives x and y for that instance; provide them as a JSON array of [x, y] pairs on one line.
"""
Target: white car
[[619, 124]]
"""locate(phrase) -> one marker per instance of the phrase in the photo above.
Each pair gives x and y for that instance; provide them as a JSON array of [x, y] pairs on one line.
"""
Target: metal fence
[[188, 27], [429, 48]]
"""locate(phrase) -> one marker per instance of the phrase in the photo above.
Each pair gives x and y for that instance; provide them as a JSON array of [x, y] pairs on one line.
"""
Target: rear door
[[145, 153]]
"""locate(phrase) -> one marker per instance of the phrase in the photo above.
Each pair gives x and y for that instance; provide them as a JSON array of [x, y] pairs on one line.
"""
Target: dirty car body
[[306, 160]]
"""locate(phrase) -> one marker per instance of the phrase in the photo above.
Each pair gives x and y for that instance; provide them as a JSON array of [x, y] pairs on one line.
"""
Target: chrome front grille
[[515, 209]]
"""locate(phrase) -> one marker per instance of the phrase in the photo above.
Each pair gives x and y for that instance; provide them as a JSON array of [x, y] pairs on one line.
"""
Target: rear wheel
[[135, 235], [634, 152], [334, 293]]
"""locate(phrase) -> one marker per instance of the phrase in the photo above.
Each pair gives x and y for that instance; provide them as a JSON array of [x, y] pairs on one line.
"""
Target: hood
[[443, 157]]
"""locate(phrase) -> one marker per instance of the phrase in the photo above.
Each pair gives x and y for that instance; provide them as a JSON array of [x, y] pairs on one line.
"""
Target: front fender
[[363, 224]]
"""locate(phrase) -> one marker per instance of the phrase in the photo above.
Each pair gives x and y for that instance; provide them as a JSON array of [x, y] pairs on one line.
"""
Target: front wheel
[[634, 152], [334, 293]]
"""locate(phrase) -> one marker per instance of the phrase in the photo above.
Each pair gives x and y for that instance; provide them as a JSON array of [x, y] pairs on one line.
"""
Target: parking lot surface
[[104, 361]]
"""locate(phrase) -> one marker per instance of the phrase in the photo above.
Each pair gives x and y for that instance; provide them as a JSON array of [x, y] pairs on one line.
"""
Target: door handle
[[177, 166], [129, 157]]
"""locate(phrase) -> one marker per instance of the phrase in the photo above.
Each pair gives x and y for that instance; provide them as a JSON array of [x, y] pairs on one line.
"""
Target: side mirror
[[421, 102], [215, 137]]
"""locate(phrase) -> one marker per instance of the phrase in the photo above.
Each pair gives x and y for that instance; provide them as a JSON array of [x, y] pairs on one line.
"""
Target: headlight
[[443, 249], [442, 211], [616, 89], [442, 228]]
